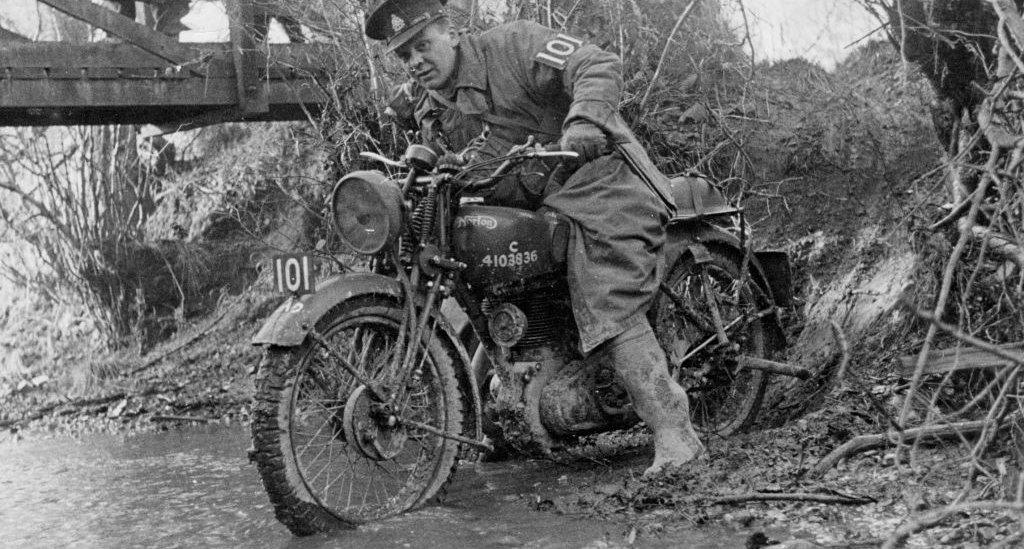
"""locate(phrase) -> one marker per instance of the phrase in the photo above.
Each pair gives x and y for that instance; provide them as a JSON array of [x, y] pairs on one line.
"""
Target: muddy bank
[[200, 376]]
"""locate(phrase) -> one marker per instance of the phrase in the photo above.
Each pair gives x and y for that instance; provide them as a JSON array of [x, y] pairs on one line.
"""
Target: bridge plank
[[42, 92], [157, 43], [67, 54], [283, 60]]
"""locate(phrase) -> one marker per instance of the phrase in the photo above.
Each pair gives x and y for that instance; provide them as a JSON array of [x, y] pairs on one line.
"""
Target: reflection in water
[[195, 488], [158, 489]]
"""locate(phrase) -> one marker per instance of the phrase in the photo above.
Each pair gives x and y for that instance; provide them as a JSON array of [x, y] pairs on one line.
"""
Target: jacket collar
[[470, 85], [472, 73]]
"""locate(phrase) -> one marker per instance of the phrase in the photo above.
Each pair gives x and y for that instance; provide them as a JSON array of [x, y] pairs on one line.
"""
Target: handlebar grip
[[554, 150]]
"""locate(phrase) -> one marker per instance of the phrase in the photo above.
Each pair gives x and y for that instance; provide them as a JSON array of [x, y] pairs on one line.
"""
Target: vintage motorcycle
[[367, 399]]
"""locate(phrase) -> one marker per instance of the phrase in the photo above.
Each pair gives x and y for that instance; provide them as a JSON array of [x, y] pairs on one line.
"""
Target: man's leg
[[166, 17], [657, 398]]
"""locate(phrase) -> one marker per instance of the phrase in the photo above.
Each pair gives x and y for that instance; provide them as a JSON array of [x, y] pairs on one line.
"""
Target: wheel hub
[[369, 430]]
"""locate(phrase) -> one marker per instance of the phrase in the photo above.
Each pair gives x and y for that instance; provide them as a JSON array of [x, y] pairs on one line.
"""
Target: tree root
[[867, 442], [932, 518], [78, 403]]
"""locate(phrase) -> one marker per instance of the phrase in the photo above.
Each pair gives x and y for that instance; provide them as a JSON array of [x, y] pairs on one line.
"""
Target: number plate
[[293, 274]]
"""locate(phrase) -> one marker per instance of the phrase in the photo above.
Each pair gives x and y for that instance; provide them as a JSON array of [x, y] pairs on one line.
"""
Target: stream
[[195, 488]]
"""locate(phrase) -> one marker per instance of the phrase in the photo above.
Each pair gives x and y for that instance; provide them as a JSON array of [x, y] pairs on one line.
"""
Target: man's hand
[[585, 139]]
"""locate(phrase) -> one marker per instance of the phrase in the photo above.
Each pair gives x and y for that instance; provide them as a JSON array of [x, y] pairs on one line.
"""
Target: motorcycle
[[367, 398]]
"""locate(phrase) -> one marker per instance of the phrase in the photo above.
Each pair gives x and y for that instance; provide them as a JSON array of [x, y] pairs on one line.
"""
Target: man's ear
[[453, 35]]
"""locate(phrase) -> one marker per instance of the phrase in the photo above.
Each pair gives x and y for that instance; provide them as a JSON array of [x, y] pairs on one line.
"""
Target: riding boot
[[663, 405]]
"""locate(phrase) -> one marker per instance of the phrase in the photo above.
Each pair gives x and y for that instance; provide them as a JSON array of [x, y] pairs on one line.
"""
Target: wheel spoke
[[710, 304]]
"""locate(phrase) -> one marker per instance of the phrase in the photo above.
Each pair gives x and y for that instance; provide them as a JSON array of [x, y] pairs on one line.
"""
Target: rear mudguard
[[289, 325], [689, 237]]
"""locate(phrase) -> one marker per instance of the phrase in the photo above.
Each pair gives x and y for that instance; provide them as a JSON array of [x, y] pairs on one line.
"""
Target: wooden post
[[250, 62]]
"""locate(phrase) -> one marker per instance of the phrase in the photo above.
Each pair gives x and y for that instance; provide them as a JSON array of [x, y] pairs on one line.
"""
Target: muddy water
[[194, 488]]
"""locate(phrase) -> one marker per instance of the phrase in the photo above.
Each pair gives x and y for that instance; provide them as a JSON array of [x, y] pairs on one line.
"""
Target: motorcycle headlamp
[[367, 211]]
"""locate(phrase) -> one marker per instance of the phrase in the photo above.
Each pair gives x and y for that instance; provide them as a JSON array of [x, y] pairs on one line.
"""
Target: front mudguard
[[291, 322]]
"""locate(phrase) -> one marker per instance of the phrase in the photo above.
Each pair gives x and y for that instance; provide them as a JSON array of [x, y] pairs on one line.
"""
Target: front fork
[[406, 368]]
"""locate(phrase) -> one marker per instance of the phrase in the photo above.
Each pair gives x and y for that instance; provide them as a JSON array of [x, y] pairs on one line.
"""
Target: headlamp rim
[[389, 193]]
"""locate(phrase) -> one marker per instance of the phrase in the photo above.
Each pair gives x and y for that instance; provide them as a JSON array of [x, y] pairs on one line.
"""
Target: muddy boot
[[657, 398]]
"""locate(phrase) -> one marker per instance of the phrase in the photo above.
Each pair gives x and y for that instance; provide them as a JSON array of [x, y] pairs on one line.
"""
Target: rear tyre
[[327, 457], [724, 399]]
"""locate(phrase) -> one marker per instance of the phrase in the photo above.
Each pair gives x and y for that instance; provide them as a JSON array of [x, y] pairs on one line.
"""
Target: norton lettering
[[481, 221], [557, 51]]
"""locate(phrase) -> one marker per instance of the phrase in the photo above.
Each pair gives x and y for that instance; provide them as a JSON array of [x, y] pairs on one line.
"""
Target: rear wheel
[[724, 398], [328, 453]]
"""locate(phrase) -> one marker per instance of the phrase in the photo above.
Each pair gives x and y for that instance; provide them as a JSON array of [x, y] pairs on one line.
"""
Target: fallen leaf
[[116, 411]]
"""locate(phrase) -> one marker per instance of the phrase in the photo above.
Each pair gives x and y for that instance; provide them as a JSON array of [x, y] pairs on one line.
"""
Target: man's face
[[431, 56]]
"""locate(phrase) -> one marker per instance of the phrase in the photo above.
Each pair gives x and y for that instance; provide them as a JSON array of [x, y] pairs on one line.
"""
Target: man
[[522, 79]]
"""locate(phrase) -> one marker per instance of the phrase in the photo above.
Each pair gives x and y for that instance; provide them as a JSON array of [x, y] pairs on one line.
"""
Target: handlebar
[[382, 159], [515, 155]]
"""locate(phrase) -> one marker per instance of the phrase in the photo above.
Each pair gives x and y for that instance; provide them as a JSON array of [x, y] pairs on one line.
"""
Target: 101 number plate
[[293, 274]]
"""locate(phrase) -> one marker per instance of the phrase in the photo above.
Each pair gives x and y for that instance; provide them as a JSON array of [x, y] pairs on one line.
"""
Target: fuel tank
[[504, 244]]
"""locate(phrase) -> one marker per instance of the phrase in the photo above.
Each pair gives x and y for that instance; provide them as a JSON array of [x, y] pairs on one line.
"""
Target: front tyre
[[327, 456]]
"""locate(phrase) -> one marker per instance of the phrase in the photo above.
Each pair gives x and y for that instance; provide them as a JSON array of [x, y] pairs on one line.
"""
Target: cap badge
[[397, 24]]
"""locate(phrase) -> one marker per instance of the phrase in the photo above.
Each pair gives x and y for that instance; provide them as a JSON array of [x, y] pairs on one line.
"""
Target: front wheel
[[724, 398], [329, 457]]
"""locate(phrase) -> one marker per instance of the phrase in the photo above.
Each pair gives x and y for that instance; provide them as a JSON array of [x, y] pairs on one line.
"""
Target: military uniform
[[522, 79]]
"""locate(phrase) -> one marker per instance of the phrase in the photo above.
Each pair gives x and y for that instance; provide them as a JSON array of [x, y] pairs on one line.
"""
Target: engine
[[544, 392], [535, 314]]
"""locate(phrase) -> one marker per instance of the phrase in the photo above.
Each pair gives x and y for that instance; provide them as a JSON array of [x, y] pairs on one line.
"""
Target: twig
[[198, 334], [947, 283], [954, 331], [1008, 14], [746, 38], [844, 348], [931, 518], [196, 419], [664, 52], [867, 442], [957, 211], [1000, 244], [795, 496]]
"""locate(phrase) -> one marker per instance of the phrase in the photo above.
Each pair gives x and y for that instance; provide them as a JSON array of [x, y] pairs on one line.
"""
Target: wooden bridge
[[148, 77]]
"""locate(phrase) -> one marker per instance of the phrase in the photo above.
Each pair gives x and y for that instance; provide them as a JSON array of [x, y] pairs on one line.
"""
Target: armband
[[557, 51]]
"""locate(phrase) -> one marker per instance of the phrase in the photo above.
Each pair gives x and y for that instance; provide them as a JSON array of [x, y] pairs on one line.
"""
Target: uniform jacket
[[522, 79]]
